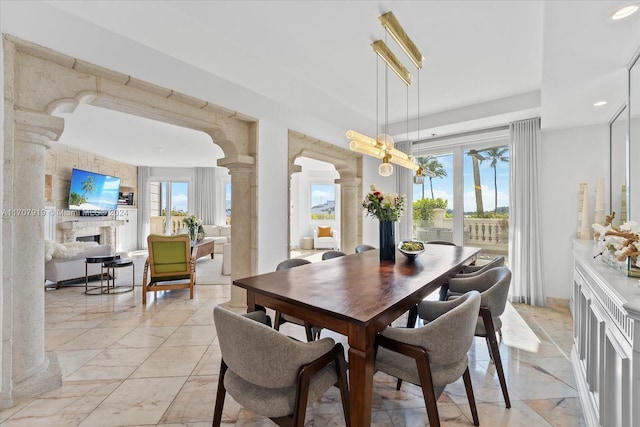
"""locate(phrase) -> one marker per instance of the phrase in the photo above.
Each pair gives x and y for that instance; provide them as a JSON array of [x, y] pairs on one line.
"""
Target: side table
[[111, 266], [307, 243], [94, 260]]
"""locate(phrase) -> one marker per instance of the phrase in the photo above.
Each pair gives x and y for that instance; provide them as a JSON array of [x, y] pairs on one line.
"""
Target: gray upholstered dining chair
[[271, 374], [280, 317], [471, 271], [493, 286], [478, 269], [364, 248], [435, 354], [332, 254], [412, 315]]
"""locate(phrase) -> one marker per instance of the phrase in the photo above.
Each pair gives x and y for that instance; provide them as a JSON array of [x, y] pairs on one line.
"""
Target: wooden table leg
[[361, 369]]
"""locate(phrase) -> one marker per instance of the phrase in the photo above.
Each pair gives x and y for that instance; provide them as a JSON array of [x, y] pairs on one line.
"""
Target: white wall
[[567, 158], [272, 195]]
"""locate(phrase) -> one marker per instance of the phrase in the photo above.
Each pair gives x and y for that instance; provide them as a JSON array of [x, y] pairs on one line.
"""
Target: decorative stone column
[[32, 371], [349, 216], [243, 249]]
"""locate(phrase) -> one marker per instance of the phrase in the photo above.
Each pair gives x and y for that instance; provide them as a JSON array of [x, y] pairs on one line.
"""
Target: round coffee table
[[111, 266], [95, 260]]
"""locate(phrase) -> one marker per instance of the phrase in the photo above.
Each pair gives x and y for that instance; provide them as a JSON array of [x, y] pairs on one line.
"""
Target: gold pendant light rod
[[395, 30], [382, 147], [392, 61]]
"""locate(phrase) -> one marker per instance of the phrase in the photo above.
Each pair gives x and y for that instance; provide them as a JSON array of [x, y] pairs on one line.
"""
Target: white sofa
[[326, 242], [221, 234], [60, 270]]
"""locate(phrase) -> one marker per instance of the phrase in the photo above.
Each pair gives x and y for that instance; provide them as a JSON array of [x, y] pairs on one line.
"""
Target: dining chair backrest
[[478, 269], [440, 242], [279, 359], [492, 284], [364, 248], [290, 263], [332, 254]]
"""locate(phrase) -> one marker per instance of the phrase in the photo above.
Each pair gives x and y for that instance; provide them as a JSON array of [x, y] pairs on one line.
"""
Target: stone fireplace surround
[[105, 228]]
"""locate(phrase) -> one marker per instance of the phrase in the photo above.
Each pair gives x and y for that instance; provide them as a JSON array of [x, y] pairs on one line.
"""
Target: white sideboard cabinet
[[606, 330], [127, 234]]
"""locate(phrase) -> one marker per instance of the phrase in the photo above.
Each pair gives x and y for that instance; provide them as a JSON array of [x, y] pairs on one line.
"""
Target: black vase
[[387, 241]]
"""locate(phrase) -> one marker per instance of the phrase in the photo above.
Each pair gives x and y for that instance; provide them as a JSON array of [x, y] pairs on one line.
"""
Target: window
[[169, 203], [227, 202], [323, 201]]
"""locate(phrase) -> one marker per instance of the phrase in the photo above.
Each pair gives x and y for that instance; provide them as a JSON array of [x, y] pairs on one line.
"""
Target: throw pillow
[[324, 231], [65, 250]]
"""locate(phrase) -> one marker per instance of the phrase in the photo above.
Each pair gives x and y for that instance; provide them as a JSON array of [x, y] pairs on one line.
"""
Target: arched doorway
[[349, 167], [40, 82]]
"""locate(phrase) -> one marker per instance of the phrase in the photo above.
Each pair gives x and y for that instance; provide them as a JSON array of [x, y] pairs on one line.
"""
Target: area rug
[[209, 271]]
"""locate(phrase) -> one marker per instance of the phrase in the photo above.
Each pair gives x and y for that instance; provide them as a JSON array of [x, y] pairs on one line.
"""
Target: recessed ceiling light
[[625, 11], [600, 103], [160, 149]]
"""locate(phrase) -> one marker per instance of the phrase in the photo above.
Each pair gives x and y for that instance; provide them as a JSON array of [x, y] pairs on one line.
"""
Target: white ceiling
[[487, 63]]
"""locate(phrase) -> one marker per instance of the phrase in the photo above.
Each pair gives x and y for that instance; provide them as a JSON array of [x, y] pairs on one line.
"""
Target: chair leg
[[444, 292], [428, 393], [341, 369], [277, 321], [307, 329], [472, 400], [486, 339], [217, 413], [493, 345], [412, 317]]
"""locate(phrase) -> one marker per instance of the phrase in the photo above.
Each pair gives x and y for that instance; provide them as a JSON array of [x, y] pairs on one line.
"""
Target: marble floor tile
[[128, 364], [170, 362], [136, 401]]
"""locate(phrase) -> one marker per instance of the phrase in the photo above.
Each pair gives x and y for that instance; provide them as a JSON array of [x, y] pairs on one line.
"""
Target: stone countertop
[[623, 288]]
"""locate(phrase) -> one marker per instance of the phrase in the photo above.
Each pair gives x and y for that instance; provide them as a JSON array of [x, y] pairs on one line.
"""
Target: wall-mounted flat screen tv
[[93, 192]]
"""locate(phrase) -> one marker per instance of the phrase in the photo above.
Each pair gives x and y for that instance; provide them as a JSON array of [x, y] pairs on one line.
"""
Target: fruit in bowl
[[411, 248]]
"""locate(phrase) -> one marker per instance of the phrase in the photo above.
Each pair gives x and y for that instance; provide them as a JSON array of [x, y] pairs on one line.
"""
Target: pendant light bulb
[[385, 168], [419, 178]]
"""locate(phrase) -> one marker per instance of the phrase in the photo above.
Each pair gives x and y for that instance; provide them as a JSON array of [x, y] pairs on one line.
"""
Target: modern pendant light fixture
[[382, 147], [625, 11]]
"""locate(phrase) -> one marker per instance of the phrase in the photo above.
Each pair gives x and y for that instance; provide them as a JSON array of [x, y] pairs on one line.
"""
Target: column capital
[[349, 182], [37, 128], [238, 164]]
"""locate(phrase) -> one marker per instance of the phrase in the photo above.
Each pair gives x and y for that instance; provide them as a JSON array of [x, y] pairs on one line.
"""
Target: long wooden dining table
[[357, 296]]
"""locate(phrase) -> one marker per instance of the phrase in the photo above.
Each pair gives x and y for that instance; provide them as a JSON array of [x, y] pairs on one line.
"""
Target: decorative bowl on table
[[411, 248]]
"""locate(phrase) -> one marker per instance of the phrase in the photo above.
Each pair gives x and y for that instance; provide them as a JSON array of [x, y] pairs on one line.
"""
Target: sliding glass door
[[433, 200], [467, 201], [169, 204]]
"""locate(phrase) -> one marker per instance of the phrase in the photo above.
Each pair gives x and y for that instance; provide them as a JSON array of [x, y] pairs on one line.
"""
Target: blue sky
[[443, 187], [322, 193], [179, 195]]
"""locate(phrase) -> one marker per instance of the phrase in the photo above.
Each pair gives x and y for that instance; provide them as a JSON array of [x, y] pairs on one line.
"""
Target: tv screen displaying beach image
[[93, 191]]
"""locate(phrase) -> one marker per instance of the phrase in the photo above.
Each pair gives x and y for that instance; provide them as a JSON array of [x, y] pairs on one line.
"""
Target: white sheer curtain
[[404, 185], [524, 219], [205, 195], [143, 206]]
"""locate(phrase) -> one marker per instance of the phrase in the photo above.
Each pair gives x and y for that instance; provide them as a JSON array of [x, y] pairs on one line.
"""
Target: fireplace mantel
[[80, 224]]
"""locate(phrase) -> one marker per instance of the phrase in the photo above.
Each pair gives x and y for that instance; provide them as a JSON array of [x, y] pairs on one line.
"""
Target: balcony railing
[[490, 234], [158, 224]]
